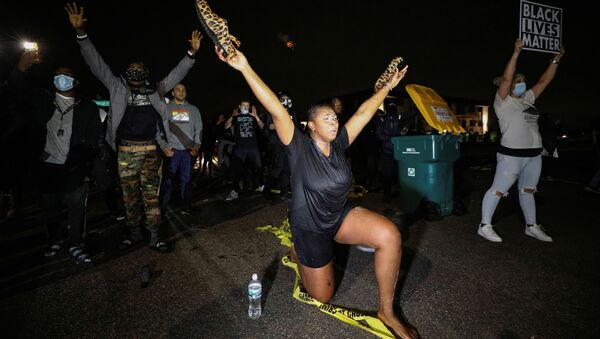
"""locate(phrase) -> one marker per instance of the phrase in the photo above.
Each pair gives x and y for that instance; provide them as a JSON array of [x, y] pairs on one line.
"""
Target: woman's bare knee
[[321, 291], [319, 283], [387, 236], [322, 297]]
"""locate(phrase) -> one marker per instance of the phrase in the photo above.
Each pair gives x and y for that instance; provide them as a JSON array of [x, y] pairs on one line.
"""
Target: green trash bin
[[426, 172]]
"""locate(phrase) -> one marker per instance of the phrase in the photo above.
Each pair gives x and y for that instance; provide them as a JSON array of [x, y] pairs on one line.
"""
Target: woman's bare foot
[[398, 328]]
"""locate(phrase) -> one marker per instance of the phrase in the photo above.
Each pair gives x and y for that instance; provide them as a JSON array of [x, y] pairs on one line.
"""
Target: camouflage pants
[[140, 182]]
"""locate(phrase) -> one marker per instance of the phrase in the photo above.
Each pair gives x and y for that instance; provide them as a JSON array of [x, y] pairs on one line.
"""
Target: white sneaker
[[232, 196], [538, 232], [487, 231], [365, 248]]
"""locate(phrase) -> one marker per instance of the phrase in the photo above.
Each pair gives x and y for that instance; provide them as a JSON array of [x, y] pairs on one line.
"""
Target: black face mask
[[139, 75], [136, 74]]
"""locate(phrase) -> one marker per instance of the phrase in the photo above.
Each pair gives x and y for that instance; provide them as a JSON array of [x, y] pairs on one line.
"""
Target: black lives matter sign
[[540, 27]]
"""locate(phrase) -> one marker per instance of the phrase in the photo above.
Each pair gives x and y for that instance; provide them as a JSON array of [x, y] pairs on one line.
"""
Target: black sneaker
[[160, 246]]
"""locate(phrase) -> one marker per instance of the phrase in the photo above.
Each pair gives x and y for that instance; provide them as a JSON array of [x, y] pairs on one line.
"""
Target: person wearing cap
[[519, 154]]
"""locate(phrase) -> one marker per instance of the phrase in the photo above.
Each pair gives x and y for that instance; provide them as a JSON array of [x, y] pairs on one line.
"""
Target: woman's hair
[[313, 110], [498, 80]]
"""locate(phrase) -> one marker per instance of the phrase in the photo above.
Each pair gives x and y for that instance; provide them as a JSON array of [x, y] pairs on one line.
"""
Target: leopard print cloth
[[216, 28], [389, 72]]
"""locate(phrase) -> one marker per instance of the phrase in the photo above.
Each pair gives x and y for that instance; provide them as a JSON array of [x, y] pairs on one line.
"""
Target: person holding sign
[[519, 154], [321, 179]]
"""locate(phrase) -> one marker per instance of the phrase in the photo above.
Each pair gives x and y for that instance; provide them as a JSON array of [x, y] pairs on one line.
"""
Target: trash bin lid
[[434, 109]]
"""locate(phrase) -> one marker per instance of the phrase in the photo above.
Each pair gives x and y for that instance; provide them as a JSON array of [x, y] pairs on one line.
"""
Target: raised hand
[[518, 45], [236, 60], [195, 41], [560, 54], [28, 58], [398, 75], [75, 15]]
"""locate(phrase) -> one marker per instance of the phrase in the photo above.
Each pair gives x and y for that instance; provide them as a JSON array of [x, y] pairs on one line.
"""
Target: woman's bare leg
[[362, 226]]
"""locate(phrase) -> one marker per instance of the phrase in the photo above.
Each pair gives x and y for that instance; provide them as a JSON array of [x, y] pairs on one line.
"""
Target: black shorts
[[315, 249]]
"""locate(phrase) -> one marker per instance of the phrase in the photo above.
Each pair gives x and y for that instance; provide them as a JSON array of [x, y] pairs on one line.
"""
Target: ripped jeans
[[508, 169]]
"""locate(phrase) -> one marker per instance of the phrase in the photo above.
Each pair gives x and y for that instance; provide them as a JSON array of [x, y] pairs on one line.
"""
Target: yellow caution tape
[[360, 320]]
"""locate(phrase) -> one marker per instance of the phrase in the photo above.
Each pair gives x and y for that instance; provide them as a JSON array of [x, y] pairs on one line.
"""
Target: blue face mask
[[519, 89], [63, 82]]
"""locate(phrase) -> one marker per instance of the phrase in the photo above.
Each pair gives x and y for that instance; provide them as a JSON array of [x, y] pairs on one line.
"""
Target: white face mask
[[244, 110], [519, 89], [64, 82]]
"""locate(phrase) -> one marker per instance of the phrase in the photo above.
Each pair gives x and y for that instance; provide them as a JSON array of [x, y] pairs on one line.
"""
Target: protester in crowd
[[246, 158], [279, 176], [185, 136], [105, 174], [226, 143], [71, 125], [594, 184], [207, 148], [392, 123], [338, 108], [550, 132], [519, 153], [321, 179], [15, 128], [137, 122]]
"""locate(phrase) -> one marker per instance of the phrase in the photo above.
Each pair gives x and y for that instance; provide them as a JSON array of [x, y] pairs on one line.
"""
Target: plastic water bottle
[[254, 297]]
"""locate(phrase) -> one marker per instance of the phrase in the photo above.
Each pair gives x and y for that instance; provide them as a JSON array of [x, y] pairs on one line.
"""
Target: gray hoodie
[[120, 91]]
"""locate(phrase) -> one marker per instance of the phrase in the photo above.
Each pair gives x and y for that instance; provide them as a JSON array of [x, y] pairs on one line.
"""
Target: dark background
[[454, 47]]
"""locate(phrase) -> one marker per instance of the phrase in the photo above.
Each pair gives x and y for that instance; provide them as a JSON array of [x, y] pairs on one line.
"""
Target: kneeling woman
[[321, 179]]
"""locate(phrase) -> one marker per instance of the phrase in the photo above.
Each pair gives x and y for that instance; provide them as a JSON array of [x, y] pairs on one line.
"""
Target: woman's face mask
[[519, 89], [64, 82]]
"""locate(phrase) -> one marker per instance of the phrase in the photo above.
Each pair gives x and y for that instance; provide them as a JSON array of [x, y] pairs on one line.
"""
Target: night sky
[[454, 47]]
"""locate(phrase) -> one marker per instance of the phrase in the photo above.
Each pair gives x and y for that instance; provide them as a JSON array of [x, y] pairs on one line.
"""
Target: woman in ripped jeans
[[519, 155]]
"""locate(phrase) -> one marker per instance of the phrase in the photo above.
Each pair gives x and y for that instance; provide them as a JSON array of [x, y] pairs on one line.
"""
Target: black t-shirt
[[320, 184], [245, 131]]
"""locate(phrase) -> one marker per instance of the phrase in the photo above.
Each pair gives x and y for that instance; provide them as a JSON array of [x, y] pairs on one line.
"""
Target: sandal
[[54, 249], [216, 28], [396, 63], [79, 255]]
